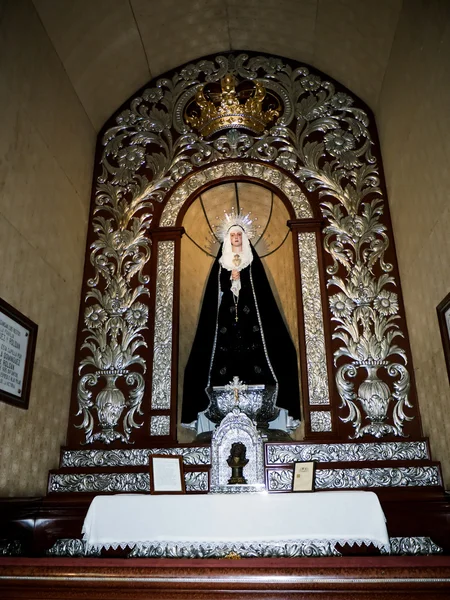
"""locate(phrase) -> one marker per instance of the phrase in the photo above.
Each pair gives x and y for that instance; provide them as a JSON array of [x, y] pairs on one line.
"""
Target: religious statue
[[237, 462], [240, 333]]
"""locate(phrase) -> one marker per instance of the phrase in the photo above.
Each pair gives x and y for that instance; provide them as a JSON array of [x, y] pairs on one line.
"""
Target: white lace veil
[[226, 260]]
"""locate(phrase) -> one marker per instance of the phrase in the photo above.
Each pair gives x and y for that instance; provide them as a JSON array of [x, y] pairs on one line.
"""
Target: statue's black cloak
[[224, 347]]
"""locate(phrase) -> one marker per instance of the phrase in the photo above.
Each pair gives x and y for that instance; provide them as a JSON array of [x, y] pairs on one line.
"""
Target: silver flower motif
[[94, 316], [131, 157], [338, 141], [287, 160], [348, 160], [137, 315], [126, 118], [341, 305], [152, 95], [386, 303], [341, 100], [180, 170], [310, 83], [190, 72]]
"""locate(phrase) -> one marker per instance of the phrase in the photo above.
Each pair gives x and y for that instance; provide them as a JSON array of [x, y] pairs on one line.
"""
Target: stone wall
[[46, 157]]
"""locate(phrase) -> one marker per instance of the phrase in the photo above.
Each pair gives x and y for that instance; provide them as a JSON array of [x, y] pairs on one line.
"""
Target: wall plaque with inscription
[[17, 346]]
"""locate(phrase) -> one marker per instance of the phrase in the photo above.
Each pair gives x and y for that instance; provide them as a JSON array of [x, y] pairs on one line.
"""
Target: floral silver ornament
[[131, 158], [94, 316], [338, 141], [341, 101]]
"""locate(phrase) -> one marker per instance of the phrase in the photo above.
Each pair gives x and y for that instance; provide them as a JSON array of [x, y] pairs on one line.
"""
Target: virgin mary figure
[[240, 333]]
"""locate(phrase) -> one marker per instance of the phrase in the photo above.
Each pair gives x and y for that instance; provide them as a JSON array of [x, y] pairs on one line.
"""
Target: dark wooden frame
[[442, 308], [309, 462], [152, 477], [32, 329]]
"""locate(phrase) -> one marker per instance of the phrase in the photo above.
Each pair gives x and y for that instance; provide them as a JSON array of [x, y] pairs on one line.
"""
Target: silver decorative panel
[[316, 358], [160, 425], [281, 454], [412, 546], [196, 481], [100, 482], [265, 173], [334, 479], [132, 457], [162, 352], [72, 548], [320, 420], [260, 549], [11, 548], [405, 546]]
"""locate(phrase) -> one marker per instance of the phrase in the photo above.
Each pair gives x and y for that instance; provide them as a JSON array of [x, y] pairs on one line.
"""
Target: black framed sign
[[17, 345], [443, 313]]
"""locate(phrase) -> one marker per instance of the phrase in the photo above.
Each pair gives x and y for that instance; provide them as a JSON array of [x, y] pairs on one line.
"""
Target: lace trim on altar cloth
[[260, 547]]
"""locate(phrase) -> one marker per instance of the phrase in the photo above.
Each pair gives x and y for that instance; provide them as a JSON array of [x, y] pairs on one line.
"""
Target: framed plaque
[[303, 478], [17, 346], [443, 313], [166, 474]]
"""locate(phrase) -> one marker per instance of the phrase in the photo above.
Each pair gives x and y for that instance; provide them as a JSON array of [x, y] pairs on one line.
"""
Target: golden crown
[[232, 107]]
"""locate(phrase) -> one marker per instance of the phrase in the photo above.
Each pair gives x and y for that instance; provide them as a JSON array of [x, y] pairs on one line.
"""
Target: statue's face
[[236, 239]]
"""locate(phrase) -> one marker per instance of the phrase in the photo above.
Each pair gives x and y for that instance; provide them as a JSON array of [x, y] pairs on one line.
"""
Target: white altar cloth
[[339, 517]]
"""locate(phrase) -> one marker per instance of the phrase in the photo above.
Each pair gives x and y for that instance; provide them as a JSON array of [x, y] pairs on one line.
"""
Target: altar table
[[186, 522]]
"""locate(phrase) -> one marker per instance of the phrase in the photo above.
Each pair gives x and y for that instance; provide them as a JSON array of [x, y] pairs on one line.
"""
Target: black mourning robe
[[257, 347]]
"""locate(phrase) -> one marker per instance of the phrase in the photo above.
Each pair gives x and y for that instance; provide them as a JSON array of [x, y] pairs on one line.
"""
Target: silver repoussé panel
[[335, 479], [316, 358], [118, 482], [320, 420], [196, 481], [100, 482], [136, 457], [399, 546], [162, 352], [160, 425], [280, 454], [244, 550], [73, 548], [265, 173], [11, 548], [412, 546]]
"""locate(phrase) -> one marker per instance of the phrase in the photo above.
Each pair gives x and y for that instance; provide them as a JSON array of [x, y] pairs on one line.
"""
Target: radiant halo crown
[[240, 219]]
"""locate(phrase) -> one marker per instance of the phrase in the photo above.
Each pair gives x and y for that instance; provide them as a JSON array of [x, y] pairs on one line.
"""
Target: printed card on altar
[[166, 474], [303, 479]]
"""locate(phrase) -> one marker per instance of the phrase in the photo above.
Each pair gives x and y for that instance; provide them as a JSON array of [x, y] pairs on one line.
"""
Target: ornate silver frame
[[151, 156]]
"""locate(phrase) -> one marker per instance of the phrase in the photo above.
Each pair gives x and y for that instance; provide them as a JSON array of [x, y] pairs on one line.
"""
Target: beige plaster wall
[[46, 157], [414, 127]]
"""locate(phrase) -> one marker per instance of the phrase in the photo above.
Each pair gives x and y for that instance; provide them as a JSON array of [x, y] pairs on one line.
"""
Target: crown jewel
[[239, 219], [232, 108]]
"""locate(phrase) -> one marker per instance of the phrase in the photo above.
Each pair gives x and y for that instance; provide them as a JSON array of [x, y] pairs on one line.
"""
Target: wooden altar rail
[[400, 578]]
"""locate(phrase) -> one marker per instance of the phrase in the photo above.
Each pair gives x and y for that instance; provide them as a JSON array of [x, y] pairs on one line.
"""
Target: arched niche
[[309, 301], [151, 163]]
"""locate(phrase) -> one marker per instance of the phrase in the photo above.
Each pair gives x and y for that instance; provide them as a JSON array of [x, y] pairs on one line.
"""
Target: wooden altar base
[[406, 578]]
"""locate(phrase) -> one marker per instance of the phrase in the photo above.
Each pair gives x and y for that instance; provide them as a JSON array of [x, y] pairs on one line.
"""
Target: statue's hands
[[235, 275]]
